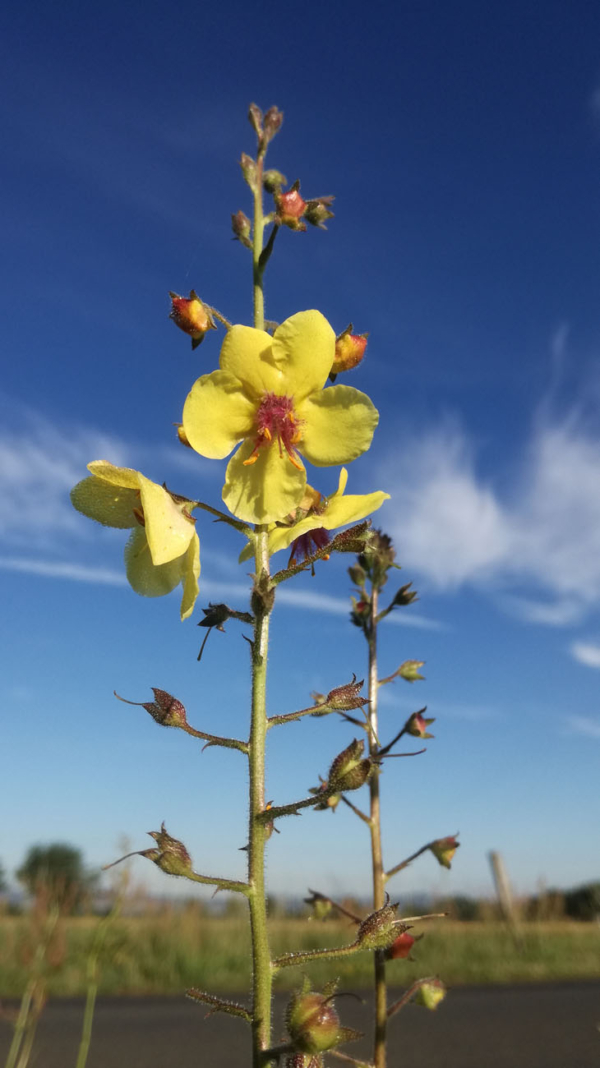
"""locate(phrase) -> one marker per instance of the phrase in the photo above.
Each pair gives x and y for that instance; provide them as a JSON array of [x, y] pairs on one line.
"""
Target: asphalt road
[[486, 1027]]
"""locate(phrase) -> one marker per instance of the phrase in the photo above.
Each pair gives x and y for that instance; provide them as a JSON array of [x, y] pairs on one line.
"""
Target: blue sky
[[462, 143]]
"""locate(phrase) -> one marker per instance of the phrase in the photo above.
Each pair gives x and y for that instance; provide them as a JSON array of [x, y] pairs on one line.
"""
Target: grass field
[[164, 954]]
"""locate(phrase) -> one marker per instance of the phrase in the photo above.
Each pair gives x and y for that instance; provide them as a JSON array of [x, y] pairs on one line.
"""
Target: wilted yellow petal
[[118, 476], [263, 491], [168, 531], [338, 425], [144, 576], [191, 573], [217, 414], [106, 502]]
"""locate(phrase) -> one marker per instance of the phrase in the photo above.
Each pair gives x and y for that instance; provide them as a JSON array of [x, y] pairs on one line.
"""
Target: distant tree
[[3, 883], [583, 902], [56, 870]]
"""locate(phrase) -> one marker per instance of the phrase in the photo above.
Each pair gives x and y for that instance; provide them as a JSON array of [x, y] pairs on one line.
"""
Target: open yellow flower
[[268, 394], [318, 513], [163, 549]]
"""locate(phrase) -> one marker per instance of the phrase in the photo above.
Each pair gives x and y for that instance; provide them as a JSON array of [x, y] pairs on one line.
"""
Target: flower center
[[277, 421]]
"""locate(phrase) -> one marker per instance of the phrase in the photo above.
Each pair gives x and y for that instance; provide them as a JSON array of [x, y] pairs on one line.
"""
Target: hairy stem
[[258, 829], [379, 1044]]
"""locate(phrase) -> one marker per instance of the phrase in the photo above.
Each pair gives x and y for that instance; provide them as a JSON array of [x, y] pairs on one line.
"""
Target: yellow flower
[[163, 549], [322, 513], [268, 394]]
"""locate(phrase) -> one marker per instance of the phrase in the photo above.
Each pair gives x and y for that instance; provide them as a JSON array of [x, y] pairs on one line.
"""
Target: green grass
[[164, 954]]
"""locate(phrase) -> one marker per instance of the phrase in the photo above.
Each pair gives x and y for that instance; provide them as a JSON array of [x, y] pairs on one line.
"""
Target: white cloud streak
[[540, 538], [585, 725], [586, 653]]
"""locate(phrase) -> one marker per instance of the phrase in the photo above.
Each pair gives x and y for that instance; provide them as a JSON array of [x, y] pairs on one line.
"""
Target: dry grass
[[165, 953]]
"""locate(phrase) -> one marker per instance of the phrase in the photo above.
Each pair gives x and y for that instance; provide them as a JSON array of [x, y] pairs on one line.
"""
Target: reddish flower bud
[[272, 123], [430, 993], [290, 208], [249, 172], [165, 709], [444, 849], [380, 929], [345, 698], [191, 316], [417, 725], [349, 350], [401, 947]]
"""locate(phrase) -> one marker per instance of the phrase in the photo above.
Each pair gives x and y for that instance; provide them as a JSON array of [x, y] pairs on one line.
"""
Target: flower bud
[[409, 670], [349, 771], [170, 855], [255, 117], [313, 1023], [357, 575], [361, 611], [321, 906], [416, 725], [380, 929], [444, 849], [430, 994], [181, 434], [241, 226], [290, 208], [328, 800], [191, 316], [401, 947], [345, 698], [349, 350], [272, 124], [248, 166], [317, 211], [165, 709], [378, 557], [405, 596], [303, 1060], [273, 181]]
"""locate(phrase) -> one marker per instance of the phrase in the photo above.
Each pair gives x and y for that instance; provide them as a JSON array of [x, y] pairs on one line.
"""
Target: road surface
[[477, 1027]]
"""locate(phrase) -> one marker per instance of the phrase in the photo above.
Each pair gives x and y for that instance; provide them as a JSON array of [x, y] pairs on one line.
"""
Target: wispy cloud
[[586, 653], [535, 544], [586, 725], [103, 576]]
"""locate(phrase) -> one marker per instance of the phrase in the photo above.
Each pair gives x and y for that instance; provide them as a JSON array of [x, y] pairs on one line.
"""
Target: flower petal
[[167, 530], [145, 577], [339, 512], [106, 502], [217, 414], [246, 353], [265, 490], [304, 351], [191, 573], [338, 425], [118, 476]]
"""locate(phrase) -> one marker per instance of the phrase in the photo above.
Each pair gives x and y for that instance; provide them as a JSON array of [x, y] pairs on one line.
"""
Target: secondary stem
[[379, 1050]]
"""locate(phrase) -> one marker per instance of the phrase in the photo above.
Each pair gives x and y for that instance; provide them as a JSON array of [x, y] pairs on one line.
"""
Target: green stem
[[379, 1045], [257, 248], [291, 960], [88, 1015], [258, 830]]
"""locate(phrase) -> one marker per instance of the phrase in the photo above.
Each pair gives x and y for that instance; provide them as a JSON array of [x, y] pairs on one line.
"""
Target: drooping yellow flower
[[319, 513], [163, 549], [268, 394]]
